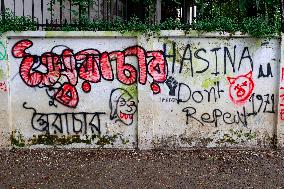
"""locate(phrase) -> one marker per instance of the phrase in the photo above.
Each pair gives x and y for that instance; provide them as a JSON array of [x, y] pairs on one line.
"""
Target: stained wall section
[[69, 98]]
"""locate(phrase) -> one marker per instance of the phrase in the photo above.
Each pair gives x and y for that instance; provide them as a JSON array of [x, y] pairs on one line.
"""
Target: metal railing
[[58, 12]]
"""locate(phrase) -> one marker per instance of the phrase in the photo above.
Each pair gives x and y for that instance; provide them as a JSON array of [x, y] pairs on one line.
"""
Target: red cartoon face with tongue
[[241, 88], [122, 106]]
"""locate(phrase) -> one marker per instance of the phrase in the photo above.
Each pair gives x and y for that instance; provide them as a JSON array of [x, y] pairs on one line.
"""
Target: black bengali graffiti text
[[66, 123]]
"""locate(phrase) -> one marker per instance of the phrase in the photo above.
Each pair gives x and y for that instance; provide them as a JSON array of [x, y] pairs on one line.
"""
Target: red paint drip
[[155, 88], [86, 86]]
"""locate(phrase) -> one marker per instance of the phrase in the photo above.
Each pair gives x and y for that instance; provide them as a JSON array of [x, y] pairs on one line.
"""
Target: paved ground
[[141, 169]]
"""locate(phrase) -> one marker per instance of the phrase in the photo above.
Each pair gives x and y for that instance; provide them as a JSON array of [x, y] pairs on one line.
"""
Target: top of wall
[[168, 33]]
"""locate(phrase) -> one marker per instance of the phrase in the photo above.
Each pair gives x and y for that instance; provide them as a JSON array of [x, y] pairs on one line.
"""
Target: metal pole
[[41, 9], [282, 14], [70, 11], [3, 9], [60, 11], [89, 9], [116, 8], [23, 1], [126, 10], [14, 7], [239, 11], [80, 10], [33, 10], [51, 11]]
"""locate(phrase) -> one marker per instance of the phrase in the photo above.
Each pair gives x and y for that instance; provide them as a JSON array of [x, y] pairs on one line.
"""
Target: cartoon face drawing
[[123, 106], [241, 88]]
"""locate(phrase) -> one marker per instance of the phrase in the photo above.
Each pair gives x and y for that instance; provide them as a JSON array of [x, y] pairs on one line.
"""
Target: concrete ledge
[[90, 34]]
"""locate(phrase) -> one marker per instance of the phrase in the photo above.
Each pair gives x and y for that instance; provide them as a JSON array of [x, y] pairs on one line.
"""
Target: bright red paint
[[89, 65], [67, 95], [86, 87], [155, 88], [241, 88]]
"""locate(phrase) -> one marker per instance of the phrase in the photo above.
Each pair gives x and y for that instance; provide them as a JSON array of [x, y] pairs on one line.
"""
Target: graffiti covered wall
[[219, 92], [129, 90], [72, 91]]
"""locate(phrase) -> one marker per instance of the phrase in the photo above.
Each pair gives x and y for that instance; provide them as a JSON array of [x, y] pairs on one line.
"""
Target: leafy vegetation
[[257, 27], [9, 22], [255, 17]]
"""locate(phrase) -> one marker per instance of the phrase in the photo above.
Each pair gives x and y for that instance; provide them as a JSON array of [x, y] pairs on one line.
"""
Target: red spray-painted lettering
[[51, 69]]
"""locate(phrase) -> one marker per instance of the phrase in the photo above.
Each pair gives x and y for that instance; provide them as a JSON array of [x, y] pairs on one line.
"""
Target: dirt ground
[[89, 168]]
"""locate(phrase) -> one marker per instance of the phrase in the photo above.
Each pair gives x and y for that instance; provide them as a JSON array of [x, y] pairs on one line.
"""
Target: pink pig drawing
[[241, 88]]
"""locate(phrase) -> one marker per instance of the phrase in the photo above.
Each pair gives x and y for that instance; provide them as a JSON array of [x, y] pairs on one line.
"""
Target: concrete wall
[[166, 90]]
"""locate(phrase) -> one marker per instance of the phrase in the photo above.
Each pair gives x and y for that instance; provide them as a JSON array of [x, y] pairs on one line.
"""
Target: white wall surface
[[215, 90]]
